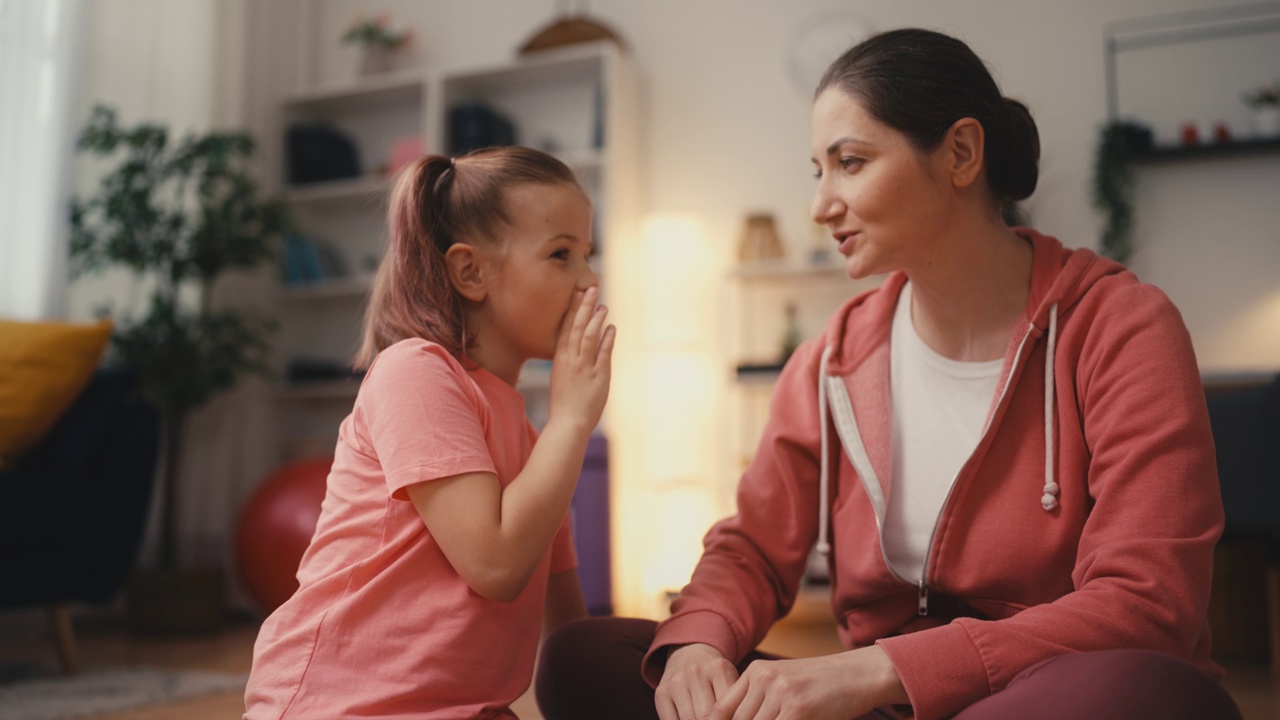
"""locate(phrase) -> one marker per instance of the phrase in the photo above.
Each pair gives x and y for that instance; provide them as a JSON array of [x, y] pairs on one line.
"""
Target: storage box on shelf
[[576, 102]]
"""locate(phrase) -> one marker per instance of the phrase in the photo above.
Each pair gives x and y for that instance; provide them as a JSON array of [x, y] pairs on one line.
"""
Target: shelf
[[1235, 148], [582, 160], [783, 269], [758, 374], [367, 187], [389, 88], [336, 289]]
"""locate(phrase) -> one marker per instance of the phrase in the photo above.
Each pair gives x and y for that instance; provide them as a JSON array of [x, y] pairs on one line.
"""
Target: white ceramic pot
[[1266, 121], [375, 59]]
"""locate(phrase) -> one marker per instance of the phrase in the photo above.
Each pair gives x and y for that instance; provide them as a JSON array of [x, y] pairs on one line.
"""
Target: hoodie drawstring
[[1049, 500], [824, 545]]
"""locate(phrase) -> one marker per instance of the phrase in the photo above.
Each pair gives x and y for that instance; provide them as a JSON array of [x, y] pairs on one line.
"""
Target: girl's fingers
[[566, 323], [591, 336], [605, 353], [580, 318]]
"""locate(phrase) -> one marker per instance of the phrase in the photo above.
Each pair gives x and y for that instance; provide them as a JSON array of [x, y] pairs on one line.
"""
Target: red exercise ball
[[276, 526]]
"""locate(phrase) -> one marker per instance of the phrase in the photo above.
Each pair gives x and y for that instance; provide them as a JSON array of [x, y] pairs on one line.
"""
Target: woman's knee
[[1109, 684]]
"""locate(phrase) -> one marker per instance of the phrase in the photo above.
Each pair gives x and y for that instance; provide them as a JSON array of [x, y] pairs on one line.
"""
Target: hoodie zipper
[[923, 585]]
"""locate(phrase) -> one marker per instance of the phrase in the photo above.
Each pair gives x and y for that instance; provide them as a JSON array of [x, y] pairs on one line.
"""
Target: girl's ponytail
[[412, 295]]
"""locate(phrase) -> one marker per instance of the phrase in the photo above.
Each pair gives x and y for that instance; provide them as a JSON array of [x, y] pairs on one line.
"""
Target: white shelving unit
[[758, 294], [577, 102]]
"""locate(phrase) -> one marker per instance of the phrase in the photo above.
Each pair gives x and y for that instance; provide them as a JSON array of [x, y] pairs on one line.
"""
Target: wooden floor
[[24, 637]]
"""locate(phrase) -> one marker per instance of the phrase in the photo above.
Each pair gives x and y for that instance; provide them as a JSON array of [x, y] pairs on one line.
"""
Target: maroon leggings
[[590, 669]]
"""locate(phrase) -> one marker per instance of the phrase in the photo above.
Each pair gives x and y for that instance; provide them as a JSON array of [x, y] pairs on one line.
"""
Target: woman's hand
[[694, 678], [581, 368], [833, 687]]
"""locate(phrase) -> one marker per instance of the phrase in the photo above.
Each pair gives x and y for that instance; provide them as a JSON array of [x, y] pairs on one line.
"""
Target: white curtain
[[40, 42]]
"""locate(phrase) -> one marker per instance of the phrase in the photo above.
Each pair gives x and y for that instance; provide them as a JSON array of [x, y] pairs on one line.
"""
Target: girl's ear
[[965, 142], [465, 271]]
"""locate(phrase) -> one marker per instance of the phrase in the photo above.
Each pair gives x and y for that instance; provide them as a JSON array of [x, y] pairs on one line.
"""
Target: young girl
[[444, 541]]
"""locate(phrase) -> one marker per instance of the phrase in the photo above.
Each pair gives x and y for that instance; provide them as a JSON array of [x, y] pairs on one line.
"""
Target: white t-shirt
[[940, 407]]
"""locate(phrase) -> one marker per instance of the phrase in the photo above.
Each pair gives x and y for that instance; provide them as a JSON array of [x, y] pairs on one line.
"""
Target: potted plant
[[1265, 103], [179, 216], [1114, 183], [379, 42]]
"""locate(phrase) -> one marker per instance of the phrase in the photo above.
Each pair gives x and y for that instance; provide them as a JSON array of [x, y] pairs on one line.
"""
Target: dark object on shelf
[[74, 507], [570, 28], [791, 334], [310, 370], [757, 371], [319, 152], [475, 125]]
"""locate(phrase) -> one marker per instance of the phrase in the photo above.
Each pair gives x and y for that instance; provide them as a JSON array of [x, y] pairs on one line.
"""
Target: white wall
[[728, 134]]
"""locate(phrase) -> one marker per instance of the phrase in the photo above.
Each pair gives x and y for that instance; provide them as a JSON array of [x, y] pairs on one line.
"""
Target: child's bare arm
[[494, 537]]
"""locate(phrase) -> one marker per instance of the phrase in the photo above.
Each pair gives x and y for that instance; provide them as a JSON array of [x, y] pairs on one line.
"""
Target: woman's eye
[[850, 162], [562, 254]]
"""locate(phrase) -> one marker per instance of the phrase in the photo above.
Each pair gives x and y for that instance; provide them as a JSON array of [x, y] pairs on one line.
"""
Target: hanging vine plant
[[1115, 182]]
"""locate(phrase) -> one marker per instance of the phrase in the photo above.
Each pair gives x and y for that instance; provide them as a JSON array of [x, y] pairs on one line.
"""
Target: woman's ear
[[965, 143], [465, 271]]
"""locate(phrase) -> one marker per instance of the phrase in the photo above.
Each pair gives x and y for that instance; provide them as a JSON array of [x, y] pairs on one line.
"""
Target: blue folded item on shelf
[[302, 262]]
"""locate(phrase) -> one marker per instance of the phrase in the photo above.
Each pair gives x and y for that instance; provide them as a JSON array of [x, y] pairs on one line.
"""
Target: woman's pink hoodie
[[1085, 519]]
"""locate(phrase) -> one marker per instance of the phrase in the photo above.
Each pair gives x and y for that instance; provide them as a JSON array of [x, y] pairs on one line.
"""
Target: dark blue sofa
[[74, 507]]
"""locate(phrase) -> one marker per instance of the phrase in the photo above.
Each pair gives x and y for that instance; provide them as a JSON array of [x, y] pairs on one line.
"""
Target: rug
[[44, 693]]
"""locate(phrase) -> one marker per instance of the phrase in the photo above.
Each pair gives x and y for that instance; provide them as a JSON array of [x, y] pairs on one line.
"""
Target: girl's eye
[[561, 254]]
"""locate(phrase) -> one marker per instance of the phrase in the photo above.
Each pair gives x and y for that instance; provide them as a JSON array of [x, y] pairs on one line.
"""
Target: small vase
[[760, 239], [375, 59], [1266, 121]]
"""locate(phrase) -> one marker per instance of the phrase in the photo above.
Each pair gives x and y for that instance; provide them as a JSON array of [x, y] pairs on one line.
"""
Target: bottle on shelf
[[791, 334]]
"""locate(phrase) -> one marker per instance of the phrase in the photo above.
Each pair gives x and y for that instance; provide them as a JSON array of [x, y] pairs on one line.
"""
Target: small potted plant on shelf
[[1265, 102], [379, 42]]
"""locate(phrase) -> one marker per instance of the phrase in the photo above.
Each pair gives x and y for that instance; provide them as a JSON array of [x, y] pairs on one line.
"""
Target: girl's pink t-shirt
[[382, 626]]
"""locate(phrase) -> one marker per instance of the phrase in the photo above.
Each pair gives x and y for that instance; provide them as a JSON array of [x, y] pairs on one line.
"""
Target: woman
[[1003, 451]]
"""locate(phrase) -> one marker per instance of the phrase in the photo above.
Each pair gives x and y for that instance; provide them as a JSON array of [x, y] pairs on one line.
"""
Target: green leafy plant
[[1114, 185], [377, 33], [1265, 96], [179, 216]]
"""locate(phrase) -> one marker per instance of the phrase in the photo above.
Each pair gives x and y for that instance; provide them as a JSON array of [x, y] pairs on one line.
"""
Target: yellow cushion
[[43, 367]]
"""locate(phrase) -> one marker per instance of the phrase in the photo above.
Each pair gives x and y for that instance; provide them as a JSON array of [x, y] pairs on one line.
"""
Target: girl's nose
[[587, 278]]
